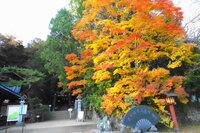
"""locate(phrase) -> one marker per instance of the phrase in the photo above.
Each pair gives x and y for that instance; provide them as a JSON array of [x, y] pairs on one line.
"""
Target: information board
[[13, 112]]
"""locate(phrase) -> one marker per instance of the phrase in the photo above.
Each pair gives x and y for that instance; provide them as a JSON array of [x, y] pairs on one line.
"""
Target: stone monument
[[141, 118], [104, 124]]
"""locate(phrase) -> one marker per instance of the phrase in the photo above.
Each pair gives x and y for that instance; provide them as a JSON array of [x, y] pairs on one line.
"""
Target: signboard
[[23, 109], [141, 117], [13, 112]]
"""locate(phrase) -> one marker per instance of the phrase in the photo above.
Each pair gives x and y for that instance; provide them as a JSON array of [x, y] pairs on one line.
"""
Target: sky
[[190, 9], [27, 19]]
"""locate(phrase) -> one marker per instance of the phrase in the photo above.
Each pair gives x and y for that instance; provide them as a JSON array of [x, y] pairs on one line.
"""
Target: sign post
[[13, 113], [70, 112], [22, 110], [80, 114], [16, 112]]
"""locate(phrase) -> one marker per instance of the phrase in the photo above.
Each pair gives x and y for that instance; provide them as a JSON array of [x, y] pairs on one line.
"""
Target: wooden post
[[176, 127]]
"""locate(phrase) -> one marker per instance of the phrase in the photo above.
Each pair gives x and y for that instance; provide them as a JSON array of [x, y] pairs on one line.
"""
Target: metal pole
[[23, 124], [54, 102], [176, 127], [79, 105], [70, 115], [20, 120], [78, 108], [6, 127]]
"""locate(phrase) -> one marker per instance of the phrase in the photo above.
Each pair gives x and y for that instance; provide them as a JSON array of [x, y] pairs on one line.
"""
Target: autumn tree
[[136, 46], [12, 52]]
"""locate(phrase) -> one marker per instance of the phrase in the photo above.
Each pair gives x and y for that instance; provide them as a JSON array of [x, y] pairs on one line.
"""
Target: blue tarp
[[12, 89]]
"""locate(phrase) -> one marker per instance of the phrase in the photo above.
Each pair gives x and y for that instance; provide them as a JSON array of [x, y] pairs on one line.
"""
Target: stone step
[[59, 115]]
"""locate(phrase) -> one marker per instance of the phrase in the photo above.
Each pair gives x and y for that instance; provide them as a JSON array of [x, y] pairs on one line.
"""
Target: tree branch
[[198, 15]]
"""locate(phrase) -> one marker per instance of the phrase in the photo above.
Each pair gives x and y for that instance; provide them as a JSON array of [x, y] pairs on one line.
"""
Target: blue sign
[[141, 117]]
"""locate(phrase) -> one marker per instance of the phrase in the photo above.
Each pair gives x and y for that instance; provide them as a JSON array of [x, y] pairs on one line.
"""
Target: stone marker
[[141, 118], [104, 124]]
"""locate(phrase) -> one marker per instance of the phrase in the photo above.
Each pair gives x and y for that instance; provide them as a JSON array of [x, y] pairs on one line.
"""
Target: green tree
[[20, 76], [36, 108], [17, 65], [77, 8], [46, 87], [59, 42], [192, 80], [35, 43]]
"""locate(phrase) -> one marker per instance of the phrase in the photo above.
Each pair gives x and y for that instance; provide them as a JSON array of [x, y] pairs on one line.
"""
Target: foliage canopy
[[132, 47]]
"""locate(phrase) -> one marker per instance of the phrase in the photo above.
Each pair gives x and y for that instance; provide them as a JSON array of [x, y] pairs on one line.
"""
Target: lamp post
[[171, 102]]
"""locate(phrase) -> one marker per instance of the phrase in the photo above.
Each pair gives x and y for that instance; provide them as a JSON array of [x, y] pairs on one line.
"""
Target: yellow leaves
[[126, 37], [111, 103], [166, 119], [158, 73], [174, 64], [97, 3], [74, 71], [124, 106], [182, 53], [144, 83], [118, 71], [101, 75], [60, 84], [106, 22], [159, 101]]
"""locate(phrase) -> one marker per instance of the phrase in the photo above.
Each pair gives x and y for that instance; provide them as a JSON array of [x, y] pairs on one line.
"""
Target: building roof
[[8, 92]]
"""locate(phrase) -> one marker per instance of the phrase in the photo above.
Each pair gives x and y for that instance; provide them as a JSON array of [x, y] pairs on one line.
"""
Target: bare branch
[[192, 21]]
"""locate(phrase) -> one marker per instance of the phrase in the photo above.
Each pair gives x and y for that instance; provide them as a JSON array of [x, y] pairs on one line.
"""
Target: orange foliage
[[76, 83], [76, 91], [104, 66], [72, 58], [122, 38], [78, 68], [86, 54]]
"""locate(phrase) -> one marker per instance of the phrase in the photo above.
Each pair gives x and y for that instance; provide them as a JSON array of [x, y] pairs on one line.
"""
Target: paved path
[[59, 126]]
